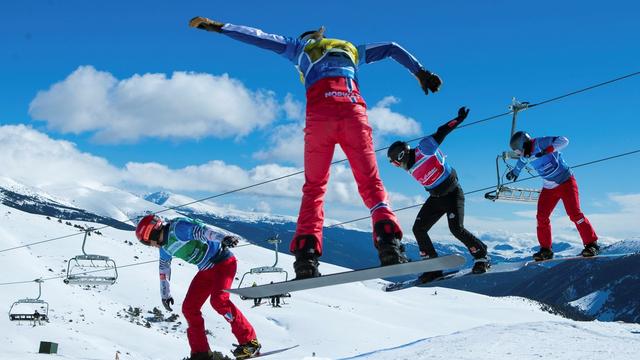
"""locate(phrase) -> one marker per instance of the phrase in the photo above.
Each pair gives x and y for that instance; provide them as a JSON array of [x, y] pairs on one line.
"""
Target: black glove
[[203, 23], [428, 81], [167, 303], [511, 176], [462, 114], [230, 241]]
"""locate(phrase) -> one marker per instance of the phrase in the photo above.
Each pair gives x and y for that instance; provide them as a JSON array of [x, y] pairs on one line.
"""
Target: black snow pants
[[452, 204]]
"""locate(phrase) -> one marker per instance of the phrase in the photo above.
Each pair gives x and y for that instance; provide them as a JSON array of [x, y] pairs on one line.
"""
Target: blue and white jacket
[[192, 241], [550, 166], [430, 167], [318, 59]]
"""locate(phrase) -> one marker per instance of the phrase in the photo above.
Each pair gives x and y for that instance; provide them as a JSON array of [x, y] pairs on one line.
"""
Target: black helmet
[[519, 140], [398, 153]]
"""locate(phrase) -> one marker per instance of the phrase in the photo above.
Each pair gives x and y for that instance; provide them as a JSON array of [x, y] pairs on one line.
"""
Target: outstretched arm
[[165, 276], [379, 51], [549, 144], [373, 52], [276, 43], [445, 129]]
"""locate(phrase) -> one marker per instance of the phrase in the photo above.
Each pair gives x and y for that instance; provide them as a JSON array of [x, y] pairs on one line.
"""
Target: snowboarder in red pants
[[558, 184], [203, 246], [335, 114]]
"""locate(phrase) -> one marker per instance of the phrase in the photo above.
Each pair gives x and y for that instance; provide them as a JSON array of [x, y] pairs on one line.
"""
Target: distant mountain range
[[37, 204], [603, 288]]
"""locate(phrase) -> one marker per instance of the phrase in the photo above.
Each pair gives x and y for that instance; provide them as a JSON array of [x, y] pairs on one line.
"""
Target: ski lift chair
[[267, 269], [17, 312], [509, 193], [89, 269], [502, 191]]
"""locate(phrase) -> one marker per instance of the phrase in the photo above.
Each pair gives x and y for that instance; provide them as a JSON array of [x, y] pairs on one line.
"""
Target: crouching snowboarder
[[203, 246], [426, 163], [558, 184]]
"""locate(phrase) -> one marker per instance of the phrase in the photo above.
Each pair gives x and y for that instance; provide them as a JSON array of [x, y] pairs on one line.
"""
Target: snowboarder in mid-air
[[543, 153], [207, 248], [427, 164], [335, 114]]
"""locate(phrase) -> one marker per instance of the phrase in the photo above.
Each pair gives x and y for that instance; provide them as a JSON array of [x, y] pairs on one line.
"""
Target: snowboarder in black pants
[[426, 163]]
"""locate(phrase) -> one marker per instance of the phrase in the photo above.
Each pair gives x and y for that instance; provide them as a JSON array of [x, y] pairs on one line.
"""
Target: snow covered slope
[[332, 323]]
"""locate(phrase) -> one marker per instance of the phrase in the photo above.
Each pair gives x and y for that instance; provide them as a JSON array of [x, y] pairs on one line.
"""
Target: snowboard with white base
[[413, 267]]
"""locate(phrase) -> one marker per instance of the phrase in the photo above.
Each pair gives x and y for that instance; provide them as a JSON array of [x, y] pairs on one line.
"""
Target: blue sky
[[58, 56]]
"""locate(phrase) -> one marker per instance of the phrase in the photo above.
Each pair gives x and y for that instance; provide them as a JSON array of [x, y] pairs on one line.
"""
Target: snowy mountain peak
[[159, 197]]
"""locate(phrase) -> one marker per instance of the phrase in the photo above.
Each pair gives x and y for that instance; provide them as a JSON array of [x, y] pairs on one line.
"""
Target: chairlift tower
[[268, 269]]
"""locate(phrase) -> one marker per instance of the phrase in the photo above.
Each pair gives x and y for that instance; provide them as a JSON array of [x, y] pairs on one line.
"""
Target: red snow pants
[[568, 193], [210, 283], [337, 114]]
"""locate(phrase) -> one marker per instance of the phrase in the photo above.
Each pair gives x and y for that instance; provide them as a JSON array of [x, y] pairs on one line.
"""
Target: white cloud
[[35, 159], [286, 144], [183, 106], [622, 219], [386, 122], [286, 141], [293, 109], [263, 207]]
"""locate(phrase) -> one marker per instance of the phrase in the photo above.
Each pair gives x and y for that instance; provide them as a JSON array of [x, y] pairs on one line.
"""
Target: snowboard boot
[[591, 250], [481, 265], [306, 264], [390, 248], [478, 251], [430, 276], [247, 350], [543, 254]]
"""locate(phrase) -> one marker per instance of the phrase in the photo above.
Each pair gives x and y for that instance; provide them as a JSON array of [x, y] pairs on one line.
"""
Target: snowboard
[[267, 353], [571, 258], [495, 268], [413, 267], [401, 285]]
